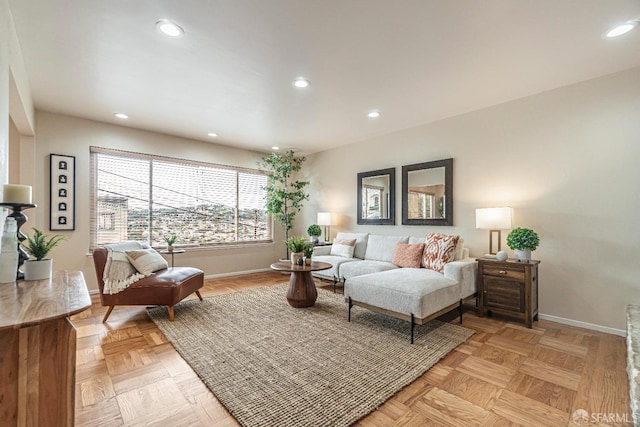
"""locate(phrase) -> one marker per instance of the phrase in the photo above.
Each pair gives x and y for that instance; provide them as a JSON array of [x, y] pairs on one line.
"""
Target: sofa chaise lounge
[[373, 278]]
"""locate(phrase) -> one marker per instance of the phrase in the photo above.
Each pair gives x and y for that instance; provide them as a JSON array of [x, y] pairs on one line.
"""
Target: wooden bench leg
[[170, 308], [109, 310], [199, 296]]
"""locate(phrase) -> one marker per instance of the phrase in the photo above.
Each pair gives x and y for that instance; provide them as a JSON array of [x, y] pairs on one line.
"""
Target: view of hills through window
[[143, 198]]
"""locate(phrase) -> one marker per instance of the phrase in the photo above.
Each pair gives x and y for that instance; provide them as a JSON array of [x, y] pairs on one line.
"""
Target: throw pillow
[[439, 249], [343, 247], [146, 261], [408, 256]]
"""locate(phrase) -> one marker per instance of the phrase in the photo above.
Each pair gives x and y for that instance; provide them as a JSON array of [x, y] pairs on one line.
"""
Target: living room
[[563, 157]]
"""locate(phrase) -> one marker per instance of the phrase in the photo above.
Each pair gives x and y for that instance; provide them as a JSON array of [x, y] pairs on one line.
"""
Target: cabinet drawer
[[504, 294], [504, 272]]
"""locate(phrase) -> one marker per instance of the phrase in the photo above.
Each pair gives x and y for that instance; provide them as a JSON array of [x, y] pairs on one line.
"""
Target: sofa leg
[[170, 308], [460, 307], [199, 296], [413, 326], [335, 279], [109, 310], [350, 305]]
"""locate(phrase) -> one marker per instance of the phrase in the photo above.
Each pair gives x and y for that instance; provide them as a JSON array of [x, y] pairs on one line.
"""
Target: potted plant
[[296, 245], [314, 231], [308, 252], [170, 239], [39, 245], [284, 195], [523, 241]]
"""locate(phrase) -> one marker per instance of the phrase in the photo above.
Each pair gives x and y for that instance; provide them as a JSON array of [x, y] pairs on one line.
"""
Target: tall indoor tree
[[285, 195]]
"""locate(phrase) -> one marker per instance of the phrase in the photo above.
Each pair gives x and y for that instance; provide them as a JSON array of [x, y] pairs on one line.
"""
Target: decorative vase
[[502, 256], [313, 239], [307, 261], [295, 256], [38, 270], [170, 248], [522, 254]]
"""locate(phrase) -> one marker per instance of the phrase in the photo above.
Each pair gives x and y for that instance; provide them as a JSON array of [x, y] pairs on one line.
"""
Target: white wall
[[67, 135], [4, 96], [565, 160]]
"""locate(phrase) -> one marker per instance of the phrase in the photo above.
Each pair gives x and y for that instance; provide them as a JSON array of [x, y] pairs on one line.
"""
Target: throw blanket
[[118, 271]]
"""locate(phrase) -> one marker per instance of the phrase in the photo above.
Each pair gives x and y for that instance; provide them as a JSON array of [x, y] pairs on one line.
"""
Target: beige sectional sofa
[[417, 295]]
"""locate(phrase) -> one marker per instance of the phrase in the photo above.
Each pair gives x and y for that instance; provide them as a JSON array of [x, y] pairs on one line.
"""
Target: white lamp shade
[[494, 218], [324, 218]]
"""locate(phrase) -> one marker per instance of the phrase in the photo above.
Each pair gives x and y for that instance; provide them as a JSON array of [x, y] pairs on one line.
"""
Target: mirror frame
[[448, 192], [392, 197]]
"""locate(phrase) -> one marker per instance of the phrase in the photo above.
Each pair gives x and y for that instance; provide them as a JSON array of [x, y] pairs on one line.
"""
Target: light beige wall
[[14, 153], [565, 160], [67, 135], [4, 96]]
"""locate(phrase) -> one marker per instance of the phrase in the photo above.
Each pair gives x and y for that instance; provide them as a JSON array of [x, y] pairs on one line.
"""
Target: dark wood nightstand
[[508, 287]]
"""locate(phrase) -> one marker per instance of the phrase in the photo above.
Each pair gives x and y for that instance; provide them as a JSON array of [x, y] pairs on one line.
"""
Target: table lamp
[[494, 220], [324, 219]]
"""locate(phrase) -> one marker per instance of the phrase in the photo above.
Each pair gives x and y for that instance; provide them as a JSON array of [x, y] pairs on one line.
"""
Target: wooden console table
[[38, 349]]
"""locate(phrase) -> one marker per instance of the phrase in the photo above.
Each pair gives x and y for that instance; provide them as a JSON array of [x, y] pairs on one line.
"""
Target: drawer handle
[[485, 292], [502, 272]]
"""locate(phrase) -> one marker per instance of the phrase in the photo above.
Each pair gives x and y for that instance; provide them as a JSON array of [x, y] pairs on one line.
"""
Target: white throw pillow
[[343, 247], [146, 261]]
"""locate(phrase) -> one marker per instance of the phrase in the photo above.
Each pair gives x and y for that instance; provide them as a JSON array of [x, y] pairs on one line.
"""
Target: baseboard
[[585, 325], [236, 273]]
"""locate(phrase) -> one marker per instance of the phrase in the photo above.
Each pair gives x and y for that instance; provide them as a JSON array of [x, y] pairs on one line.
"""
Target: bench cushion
[[404, 290]]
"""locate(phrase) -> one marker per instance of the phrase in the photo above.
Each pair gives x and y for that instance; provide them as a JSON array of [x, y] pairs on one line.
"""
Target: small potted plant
[[39, 246], [170, 239], [523, 241], [296, 245], [314, 231], [308, 252]]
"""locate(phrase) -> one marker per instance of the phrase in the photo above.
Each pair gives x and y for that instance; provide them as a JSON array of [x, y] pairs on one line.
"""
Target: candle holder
[[16, 212]]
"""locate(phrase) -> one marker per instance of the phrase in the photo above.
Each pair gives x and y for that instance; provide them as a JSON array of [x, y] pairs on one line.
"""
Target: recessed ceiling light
[[275, 147], [621, 29], [121, 115], [301, 82], [373, 114], [212, 134], [169, 28]]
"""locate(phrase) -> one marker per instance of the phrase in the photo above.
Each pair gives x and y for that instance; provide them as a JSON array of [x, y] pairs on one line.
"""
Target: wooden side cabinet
[[508, 287]]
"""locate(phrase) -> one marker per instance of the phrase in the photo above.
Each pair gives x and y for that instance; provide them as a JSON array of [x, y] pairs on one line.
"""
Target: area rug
[[274, 365]]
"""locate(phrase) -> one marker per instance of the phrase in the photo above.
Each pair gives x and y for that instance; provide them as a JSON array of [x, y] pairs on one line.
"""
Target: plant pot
[[37, 270], [313, 239], [522, 254], [295, 256], [307, 261], [170, 248]]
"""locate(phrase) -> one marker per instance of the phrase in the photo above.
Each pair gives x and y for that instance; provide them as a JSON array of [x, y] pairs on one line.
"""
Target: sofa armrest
[[321, 250], [465, 273]]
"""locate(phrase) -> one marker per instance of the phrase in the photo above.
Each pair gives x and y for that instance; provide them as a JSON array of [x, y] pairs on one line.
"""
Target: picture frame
[[62, 194]]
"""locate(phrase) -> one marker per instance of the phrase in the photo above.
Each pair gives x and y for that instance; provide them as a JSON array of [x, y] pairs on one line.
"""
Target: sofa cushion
[[146, 261], [439, 249], [360, 267], [361, 242], [335, 261], [382, 248], [408, 256], [343, 247], [404, 290]]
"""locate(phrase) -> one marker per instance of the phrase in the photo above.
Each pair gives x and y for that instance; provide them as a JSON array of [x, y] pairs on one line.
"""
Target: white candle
[[15, 193]]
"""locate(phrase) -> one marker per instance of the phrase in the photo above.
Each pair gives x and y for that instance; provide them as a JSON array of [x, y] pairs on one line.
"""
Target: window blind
[[143, 197]]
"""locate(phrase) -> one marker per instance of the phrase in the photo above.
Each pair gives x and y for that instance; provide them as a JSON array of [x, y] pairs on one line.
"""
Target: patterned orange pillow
[[439, 249], [408, 256]]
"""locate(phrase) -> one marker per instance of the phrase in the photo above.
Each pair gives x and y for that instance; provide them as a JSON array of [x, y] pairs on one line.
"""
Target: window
[[143, 197]]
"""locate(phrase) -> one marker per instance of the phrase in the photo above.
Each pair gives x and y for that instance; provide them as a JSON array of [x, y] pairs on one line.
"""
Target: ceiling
[[231, 73]]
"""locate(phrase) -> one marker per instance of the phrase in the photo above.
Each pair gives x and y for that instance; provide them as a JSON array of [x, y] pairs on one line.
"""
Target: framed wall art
[[62, 193]]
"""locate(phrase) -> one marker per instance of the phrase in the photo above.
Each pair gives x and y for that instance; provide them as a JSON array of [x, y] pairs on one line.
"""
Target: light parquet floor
[[505, 375]]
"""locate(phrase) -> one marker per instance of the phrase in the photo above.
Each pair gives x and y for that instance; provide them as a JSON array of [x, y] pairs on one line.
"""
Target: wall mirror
[[376, 197], [427, 193]]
